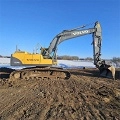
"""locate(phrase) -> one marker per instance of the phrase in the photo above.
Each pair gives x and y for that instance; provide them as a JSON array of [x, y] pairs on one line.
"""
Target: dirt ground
[[85, 96]]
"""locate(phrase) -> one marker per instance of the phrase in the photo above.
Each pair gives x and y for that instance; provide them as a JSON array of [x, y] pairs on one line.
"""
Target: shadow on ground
[[5, 72]]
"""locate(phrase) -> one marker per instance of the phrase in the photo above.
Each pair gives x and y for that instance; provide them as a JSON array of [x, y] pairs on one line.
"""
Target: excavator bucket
[[108, 71]]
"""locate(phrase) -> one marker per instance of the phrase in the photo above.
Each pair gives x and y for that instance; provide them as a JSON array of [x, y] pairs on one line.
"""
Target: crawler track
[[40, 73]]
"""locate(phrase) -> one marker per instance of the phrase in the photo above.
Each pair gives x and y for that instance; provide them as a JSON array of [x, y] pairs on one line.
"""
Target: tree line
[[67, 57], [116, 59]]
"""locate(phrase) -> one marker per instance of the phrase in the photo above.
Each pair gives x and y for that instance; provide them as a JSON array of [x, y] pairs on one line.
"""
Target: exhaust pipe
[[107, 71]]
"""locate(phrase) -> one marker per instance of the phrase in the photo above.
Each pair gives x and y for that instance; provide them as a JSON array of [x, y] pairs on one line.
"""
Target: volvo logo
[[32, 59], [81, 32]]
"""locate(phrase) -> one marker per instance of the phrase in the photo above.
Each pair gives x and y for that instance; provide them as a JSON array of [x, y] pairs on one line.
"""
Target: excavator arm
[[105, 70]]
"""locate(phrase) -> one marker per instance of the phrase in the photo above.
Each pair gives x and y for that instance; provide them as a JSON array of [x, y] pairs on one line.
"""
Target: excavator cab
[[43, 50], [46, 55]]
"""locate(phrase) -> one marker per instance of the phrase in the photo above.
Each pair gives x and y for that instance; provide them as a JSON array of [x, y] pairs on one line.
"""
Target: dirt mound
[[85, 96]]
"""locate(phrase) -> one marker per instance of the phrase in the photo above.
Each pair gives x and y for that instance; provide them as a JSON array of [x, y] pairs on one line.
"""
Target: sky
[[30, 24]]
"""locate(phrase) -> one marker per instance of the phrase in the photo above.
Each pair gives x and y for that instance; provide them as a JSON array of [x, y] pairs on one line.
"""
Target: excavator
[[43, 63]]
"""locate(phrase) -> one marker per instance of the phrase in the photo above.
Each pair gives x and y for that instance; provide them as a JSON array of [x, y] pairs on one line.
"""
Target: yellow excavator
[[44, 61]]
